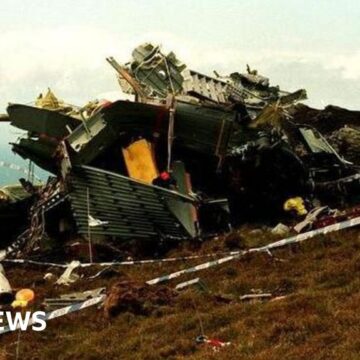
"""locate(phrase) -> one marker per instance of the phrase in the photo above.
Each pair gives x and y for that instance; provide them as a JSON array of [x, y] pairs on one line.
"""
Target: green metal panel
[[132, 209], [185, 211], [41, 121], [39, 151], [202, 129], [199, 128]]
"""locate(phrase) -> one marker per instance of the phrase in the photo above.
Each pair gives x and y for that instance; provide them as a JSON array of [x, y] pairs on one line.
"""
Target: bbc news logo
[[23, 321]]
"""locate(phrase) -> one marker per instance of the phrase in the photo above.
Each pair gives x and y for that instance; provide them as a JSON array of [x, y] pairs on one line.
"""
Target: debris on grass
[[69, 276], [215, 344]]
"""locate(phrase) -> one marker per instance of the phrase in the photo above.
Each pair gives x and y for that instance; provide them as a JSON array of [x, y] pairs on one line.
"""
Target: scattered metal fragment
[[96, 222], [255, 297], [312, 216], [280, 229], [126, 80], [83, 295], [197, 282], [216, 344], [6, 294], [68, 276], [49, 277], [69, 299]]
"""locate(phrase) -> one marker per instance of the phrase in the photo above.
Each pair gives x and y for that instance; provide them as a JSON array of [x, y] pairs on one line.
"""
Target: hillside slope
[[317, 318]]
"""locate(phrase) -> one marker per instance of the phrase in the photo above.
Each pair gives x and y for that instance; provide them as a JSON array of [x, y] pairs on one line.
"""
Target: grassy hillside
[[318, 317]]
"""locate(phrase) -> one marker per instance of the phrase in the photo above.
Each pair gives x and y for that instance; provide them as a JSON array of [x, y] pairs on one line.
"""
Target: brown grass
[[318, 319]]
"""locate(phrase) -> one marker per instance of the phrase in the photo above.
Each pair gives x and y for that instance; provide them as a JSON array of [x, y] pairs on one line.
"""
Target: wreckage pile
[[191, 157]]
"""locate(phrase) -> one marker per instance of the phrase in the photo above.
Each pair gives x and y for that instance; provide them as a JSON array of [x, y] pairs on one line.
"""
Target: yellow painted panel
[[140, 161]]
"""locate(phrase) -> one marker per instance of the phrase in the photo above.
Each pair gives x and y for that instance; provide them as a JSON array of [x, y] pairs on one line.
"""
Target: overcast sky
[[63, 44]]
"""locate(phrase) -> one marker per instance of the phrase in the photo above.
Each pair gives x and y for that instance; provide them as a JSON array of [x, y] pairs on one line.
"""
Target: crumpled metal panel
[[109, 123], [129, 209], [41, 121], [37, 150], [199, 128], [161, 73], [206, 86], [202, 129], [78, 138]]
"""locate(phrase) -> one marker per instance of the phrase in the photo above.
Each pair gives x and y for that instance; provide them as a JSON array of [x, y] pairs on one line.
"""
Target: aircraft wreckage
[[191, 155]]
